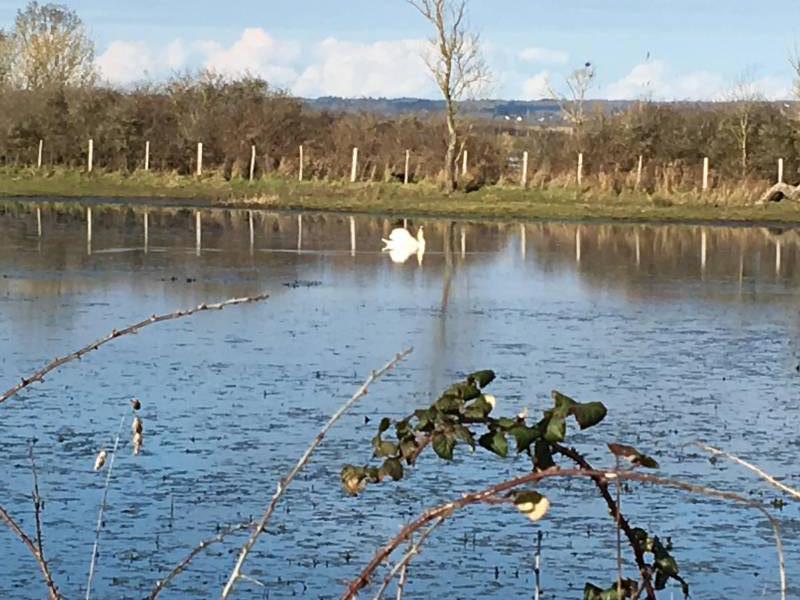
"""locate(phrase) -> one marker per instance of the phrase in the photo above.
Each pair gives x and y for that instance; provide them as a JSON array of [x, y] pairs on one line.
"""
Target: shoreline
[[494, 203]]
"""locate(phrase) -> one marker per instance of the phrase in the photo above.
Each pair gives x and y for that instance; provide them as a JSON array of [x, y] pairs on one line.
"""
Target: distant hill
[[542, 111]]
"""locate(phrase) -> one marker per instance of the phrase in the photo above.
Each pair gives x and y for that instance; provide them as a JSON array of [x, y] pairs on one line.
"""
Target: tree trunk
[[452, 143]]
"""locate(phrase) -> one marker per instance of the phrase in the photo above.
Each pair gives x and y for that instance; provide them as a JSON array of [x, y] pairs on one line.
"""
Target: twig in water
[[537, 565], [39, 375], [184, 564], [283, 484], [619, 533], [29, 543], [37, 502], [102, 508], [402, 564], [492, 496], [757, 470]]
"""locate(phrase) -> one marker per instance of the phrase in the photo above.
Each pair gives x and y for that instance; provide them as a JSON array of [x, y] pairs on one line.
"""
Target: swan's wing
[[399, 255], [401, 235]]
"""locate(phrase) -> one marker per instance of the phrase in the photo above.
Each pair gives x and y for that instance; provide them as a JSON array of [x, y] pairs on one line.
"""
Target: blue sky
[[684, 49]]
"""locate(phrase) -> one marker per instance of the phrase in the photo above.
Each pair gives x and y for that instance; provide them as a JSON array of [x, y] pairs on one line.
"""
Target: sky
[[662, 49]]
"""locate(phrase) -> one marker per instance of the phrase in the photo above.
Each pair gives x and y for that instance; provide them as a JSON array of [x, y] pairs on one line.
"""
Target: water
[[681, 343]]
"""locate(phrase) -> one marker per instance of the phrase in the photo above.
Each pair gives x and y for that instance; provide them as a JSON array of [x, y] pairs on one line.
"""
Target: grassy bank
[[494, 202]]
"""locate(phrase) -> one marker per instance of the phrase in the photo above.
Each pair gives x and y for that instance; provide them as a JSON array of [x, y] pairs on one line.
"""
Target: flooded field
[[685, 332]]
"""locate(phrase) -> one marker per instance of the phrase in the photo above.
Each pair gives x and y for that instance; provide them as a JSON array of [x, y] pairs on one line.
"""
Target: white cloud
[[126, 62], [544, 55], [256, 53], [644, 80], [392, 68], [537, 87]]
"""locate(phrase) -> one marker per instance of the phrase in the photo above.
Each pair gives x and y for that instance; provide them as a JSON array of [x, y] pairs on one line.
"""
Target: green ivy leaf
[[589, 413], [556, 429], [563, 404], [478, 410], [386, 422], [632, 455], [483, 378], [505, 423], [425, 419], [464, 435], [409, 449], [443, 445], [629, 589], [496, 442], [542, 456], [449, 404], [403, 429], [524, 436], [383, 449], [393, 468]]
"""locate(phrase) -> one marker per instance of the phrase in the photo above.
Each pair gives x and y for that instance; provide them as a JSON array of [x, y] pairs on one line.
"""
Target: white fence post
[[147, 155], [405, 174], [638, 174], [199, 158], [524, 181], [780, 170], [580, 168], [39, 160], [91, 155], [300, 172], [252, 161], [464, 163], [354, 166], [705, 174]]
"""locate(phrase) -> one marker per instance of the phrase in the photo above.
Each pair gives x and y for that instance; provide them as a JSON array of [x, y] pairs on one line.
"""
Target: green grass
[[494, 202]]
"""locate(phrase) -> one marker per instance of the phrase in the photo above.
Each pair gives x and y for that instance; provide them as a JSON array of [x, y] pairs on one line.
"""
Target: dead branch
[[492, 496], [29, 543], [99, 528], [407, 558], [39, 375], [197, 550], [757, 470], [283, 484]]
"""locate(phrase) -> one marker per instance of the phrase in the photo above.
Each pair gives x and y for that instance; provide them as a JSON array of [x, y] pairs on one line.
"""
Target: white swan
[[401, 239], [401, 245]]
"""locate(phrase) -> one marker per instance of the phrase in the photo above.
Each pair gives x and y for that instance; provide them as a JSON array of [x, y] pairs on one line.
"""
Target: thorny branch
[[31, 545], [283, 484], [491, 495], [39, 375], [196, 551]]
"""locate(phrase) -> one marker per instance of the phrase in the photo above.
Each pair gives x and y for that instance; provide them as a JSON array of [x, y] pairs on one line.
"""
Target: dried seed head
[[532, 504], [136, 404], [136, 426], [100, 460], [138, 442]]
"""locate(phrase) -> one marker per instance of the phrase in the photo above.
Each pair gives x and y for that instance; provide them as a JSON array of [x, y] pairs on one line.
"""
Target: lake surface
[[685, 332]]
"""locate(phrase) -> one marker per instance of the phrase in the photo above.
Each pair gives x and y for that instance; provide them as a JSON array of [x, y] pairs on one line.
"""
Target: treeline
[[742, 140]]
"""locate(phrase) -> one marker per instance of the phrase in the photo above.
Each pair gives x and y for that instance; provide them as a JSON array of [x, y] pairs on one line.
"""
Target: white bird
[[401, 242]]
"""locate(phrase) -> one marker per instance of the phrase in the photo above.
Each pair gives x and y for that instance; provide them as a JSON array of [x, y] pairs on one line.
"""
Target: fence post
[[147, 155], [780, 170], [198, 232], [39, 220], [703, 249], [252, 161], [39, 160], [638, 175], [89, 230], [199, 158], [524, 182], [91, 155], [705, 174], [354, 166], [580, 168], [464, 163], [578, 244], [405, 174], [778, 257], [300, 231], [300, 171]]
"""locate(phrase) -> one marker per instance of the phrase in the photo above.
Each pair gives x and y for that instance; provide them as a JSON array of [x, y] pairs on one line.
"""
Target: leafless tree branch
[[283, 484], [39, 375], [492, 495]]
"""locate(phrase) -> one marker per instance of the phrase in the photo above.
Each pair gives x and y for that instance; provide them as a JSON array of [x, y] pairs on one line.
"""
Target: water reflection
[[685, 332]]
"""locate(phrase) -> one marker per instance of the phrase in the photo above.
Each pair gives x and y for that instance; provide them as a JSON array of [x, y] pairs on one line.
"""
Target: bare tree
[[573, 104], [743, 98], [456, 62], [5, 57], [50, 47]]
